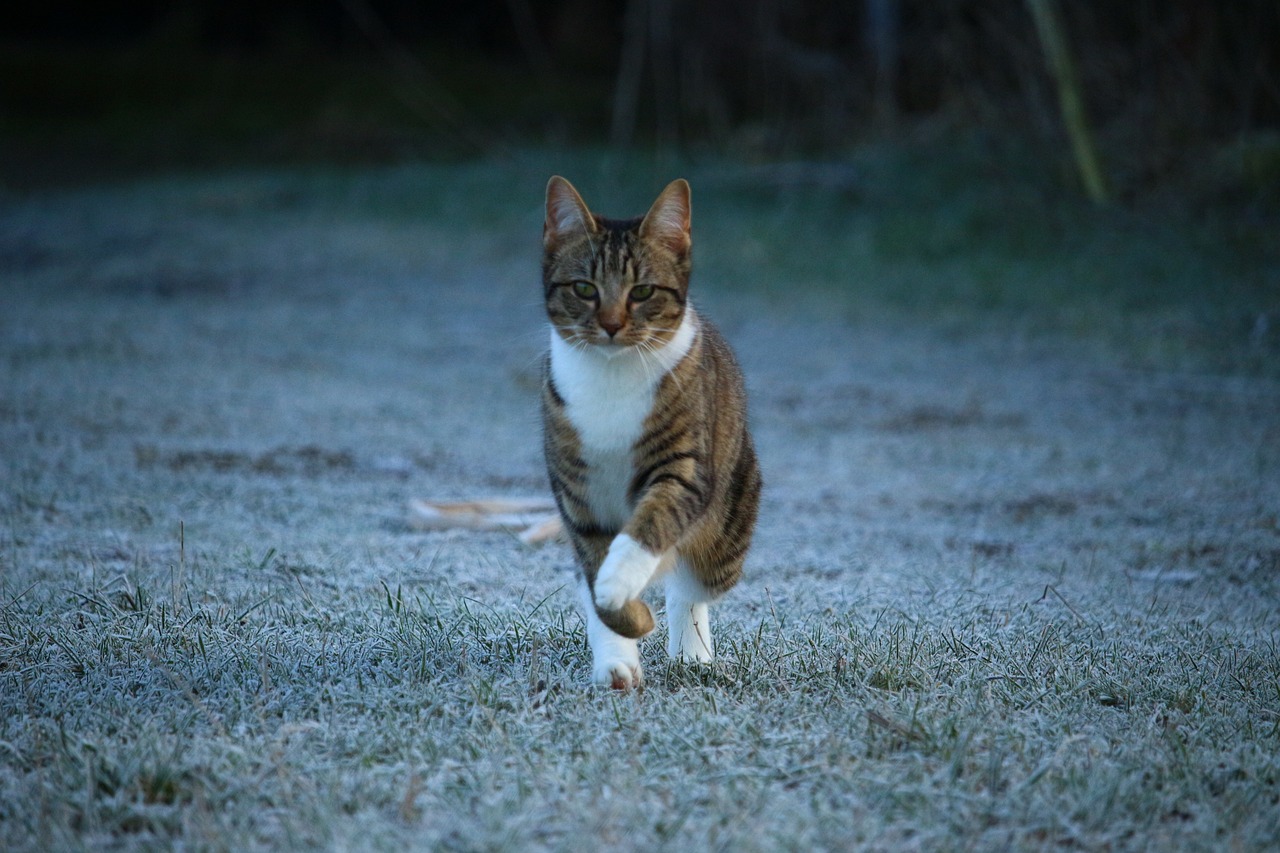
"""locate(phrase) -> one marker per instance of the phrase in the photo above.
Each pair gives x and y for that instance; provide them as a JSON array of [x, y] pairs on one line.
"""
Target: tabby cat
[[645, 428]]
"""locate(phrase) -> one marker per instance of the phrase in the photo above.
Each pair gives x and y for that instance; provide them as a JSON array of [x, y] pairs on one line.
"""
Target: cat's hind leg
[[615, 659], [688, 617]]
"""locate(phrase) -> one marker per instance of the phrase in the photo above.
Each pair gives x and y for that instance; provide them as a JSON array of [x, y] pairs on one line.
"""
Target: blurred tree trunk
[[1048, 24], [883, 42], [662, 56], [626, 92], [535, 49], [649, 28]]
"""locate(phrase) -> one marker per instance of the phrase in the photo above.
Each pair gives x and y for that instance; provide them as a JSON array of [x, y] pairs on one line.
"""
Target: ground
[[1015, 580]]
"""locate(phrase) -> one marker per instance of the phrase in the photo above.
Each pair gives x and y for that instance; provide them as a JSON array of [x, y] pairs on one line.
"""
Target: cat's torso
[[608, 395]]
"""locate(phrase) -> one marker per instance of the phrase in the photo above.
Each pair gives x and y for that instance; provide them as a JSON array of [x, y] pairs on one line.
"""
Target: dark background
[[1173, 88]]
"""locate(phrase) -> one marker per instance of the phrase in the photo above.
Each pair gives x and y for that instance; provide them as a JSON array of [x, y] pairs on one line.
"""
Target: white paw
[[618, 674], [615, 660], [626, 571], [688, 618]]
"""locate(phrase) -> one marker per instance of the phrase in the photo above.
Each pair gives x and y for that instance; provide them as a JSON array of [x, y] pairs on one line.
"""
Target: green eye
[[584, 289], [641, 292]]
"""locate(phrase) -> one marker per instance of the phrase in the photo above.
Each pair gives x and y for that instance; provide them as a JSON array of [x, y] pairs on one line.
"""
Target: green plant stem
[[1048, 22]]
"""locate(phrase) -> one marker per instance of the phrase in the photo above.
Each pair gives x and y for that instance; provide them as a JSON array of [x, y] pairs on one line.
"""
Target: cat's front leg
[[615, 660], [627, 569], [688, 618]]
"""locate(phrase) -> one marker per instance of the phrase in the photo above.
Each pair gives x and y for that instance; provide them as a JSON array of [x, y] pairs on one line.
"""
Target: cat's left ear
[[667, 222], [566, 212]]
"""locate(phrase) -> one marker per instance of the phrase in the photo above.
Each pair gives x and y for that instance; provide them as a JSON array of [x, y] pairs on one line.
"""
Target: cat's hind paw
[[689, 632]]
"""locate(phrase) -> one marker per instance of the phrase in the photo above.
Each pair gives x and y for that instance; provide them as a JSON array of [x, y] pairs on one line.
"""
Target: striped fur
[[644, 411]]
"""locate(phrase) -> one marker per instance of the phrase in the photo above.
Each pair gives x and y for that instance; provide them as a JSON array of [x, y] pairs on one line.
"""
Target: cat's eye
[[641, 292], [584, 289]]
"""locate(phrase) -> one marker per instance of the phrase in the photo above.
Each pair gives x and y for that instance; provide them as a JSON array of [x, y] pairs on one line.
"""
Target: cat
[[645, 432]]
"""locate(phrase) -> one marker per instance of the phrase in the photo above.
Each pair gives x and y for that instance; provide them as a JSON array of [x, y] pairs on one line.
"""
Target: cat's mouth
[[611, 346], [614, 345], [597, 337]]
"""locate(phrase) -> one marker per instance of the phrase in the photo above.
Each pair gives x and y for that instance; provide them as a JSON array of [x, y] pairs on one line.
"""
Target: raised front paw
[[626, 571], [618, 674]]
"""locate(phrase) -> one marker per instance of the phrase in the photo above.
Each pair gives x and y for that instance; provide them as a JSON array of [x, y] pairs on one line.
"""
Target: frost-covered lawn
[[1016, 582]]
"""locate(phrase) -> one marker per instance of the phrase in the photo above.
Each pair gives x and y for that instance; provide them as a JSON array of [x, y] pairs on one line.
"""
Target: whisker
[[643, 351], [535, 360], [653, 348]]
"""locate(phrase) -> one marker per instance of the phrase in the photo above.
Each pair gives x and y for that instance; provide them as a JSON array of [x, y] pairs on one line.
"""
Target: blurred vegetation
[[907, 154], [1182, 93]]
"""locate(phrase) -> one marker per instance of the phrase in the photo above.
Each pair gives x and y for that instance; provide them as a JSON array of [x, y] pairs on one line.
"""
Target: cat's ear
[[566, 212], [667, 222]]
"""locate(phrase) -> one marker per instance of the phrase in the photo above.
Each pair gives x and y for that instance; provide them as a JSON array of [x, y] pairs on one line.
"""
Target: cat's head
[[616, 283]]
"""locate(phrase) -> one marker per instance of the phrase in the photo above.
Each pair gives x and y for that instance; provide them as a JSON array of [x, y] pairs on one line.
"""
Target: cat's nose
[[611, 327]]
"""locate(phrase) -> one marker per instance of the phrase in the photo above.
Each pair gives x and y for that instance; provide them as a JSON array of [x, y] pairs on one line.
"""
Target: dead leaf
[[536, 519]]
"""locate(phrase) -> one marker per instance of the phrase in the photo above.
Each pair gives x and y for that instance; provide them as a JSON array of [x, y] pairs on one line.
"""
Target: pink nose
[[611, 327]]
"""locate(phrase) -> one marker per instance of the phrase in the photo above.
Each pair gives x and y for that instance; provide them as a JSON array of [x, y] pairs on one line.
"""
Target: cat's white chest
[[607, 399]]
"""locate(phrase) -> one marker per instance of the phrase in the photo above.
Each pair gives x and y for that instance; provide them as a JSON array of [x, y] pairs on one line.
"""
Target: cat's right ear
[[566, 212]]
